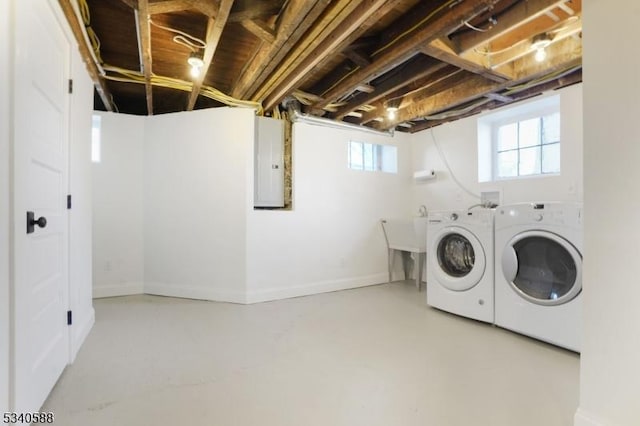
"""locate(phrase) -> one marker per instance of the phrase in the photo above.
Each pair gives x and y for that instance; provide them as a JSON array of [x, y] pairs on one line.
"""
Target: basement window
[[520, 142], [373, 157], [96, 124]]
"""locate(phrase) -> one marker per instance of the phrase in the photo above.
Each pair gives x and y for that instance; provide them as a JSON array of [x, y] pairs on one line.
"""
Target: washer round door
[[543, 268], [460, 259]]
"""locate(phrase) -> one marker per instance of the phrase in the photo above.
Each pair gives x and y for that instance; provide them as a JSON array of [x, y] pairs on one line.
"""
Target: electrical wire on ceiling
[[85, 14], [449, 4], [190, 42], [510, 91], [129, 76]]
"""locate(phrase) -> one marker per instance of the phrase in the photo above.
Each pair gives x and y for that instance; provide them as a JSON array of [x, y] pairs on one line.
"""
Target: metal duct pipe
[[293, 107]]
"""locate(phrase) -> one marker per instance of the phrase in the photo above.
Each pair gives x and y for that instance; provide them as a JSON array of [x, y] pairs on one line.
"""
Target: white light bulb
[[541, 54], [391, 113], [195, 72]]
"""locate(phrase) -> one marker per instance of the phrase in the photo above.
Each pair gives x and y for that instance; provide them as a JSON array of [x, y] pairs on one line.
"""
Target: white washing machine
[[460, 262], [539, 271]]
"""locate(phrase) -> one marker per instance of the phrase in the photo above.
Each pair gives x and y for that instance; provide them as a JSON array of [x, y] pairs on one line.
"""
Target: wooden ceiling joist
[[439, 50], [352, 20], [572, 78], [564, 55], [433, 83], [98, 81], [293, 22], [523, 48], [408, 46], [133, 4], [418, 68], [257, 10], [214, 32], [144, 31], [169, 6], [260, 29], [520, 14]]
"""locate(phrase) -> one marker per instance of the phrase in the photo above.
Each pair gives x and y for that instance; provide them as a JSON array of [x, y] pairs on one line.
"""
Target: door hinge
[[69, 202], [69, 318], [70, 86]]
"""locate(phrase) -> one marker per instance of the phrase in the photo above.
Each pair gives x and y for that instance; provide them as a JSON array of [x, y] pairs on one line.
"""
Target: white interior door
[[40, 297]]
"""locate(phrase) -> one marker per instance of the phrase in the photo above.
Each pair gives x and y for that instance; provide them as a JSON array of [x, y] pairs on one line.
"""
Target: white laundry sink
[[406, 234]]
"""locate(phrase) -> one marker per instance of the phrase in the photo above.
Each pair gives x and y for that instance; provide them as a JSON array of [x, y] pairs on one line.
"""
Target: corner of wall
[[5, 201]]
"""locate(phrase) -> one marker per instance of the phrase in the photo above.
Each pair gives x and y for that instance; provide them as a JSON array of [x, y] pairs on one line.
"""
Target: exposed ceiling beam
[[144, 47], [169, 6], [441, 51], [523, 48], [572, 78], [331, 38], [85, 53], [353, 45], [260, 29], [420, 67], [562, 56], [437, 82], [257, 10], [358, 57], [208, 7], [408, 46], [133, 4], [214, 32], [523, 12], [293, 22]]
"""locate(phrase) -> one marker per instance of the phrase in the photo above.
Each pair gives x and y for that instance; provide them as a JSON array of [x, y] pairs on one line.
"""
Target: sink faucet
[[422, 211]]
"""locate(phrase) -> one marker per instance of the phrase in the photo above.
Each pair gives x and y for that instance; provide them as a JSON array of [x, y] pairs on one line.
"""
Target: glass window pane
[[529, 161], [508, 164], [369, 164], [551, 128], [551, 158], [389, 159], [508, 137], [529, 132], [355, 155]]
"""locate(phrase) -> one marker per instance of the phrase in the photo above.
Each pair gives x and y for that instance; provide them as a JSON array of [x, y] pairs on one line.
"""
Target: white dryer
[[539, 271], [460, 262]]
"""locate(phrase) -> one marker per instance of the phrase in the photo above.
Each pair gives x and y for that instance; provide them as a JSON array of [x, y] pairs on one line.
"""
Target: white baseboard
[[113, 290], [81, 331], [193, 292], [583, 418], [315, 288]]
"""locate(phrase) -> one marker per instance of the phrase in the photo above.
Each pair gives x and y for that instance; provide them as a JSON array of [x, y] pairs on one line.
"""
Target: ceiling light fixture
[[196, 63], [539, 43], [392, 106]]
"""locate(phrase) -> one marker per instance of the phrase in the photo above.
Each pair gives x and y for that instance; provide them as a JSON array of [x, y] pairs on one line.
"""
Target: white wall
[[118, 255], [332, 239], [195, 203], [5, 131], [610, 367], [80, 235], [459, 143]]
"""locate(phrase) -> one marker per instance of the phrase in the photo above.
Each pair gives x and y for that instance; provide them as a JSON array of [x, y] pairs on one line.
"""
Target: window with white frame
[[373, 157], [524, 141]]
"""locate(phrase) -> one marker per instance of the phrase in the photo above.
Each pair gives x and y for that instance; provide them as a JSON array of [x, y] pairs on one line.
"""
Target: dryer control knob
[[537, 217], [454, 216]]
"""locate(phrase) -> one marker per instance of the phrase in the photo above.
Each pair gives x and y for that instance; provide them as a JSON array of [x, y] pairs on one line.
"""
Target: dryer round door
[[543, 267], [460, 258]]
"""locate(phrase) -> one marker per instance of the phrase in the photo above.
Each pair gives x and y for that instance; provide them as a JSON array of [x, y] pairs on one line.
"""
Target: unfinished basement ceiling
[[348, 60]]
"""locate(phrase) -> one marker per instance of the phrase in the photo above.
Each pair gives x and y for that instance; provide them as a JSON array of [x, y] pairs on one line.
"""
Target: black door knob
[[32, 222]]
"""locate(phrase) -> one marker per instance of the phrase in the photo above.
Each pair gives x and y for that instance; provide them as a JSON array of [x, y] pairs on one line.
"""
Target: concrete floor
[[371, 356]]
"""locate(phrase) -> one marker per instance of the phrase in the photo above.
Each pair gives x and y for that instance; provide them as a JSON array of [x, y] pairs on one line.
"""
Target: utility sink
[[406, 234]]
